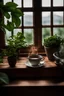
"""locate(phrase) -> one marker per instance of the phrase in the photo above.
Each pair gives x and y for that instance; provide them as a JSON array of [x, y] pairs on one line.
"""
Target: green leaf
[[16, 13], [6, 14], [11, 4], [9, 26], [16, 21], [4, 78], [12, 9], [19, 12]]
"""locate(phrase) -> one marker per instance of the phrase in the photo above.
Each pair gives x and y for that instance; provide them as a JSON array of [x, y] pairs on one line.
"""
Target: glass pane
[[16, 31], [27, 3], [29, 36], [57, 18], [59, 31], [19, 2], [5, 1], [46, 32], [57, 2], [46, 3], [7, 35], [46, 19], [28, 18]]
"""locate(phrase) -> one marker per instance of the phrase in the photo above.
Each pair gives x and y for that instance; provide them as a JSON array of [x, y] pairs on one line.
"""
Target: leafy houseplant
[[11, 52], [10, 11], [14, 44], [51, 45]]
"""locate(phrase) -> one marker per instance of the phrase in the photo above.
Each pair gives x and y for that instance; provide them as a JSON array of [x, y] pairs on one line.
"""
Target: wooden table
[[44, 76], [22, 60]]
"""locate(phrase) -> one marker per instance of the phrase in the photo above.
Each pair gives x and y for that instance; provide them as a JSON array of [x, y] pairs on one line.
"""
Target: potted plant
[[14, 44], [51, 45], [11, 52]]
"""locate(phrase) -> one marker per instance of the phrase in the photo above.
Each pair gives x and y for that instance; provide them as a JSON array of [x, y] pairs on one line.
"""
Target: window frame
[[37, 10]]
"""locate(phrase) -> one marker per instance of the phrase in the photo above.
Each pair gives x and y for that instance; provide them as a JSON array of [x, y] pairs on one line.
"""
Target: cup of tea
[[34, 59]]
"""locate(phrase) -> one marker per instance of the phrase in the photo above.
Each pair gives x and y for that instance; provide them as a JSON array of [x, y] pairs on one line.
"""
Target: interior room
[[31, 47]]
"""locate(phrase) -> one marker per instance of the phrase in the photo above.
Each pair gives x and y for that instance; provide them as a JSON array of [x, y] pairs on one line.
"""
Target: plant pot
[[49, 52], [58, 59], [12, 61]]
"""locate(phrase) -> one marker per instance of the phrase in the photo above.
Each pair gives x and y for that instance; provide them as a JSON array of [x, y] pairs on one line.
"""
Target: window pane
[[29, 36], [46, 3], [27, 3], [5, 1], [46, 19], [46, 32], [21, 21], [16, 31], [57, 18], [57, 2], [59, 31], [28, 18], [19, 2]]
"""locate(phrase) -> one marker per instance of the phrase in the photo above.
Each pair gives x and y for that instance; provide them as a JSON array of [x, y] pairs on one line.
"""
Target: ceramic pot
[[12, 61]]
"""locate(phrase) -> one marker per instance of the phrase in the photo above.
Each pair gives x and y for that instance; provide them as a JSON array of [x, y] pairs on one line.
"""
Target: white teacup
[[34, 59]]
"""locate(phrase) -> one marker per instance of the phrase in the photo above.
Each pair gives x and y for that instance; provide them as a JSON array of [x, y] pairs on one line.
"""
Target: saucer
[[41, 64]]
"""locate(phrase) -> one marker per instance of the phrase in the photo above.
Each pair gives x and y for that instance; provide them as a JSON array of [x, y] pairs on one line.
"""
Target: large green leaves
[[9, 4], [16, 21], [9, 26], [6, 14], [3, 78], [11, 12]]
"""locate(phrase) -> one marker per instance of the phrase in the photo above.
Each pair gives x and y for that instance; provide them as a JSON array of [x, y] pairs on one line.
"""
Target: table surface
[[30, 72], [22, 60]]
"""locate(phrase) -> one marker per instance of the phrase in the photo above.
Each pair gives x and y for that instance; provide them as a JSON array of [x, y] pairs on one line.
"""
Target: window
[[52, 18], [42, 18], [27, 26]]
